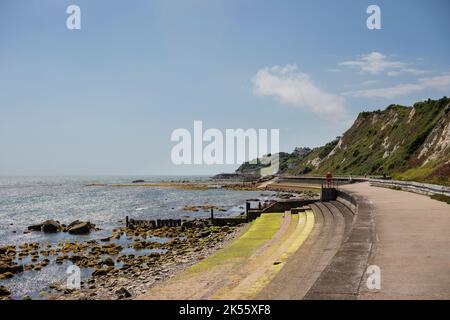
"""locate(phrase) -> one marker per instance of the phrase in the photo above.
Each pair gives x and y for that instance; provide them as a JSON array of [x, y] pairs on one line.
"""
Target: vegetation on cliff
[[410, 143]]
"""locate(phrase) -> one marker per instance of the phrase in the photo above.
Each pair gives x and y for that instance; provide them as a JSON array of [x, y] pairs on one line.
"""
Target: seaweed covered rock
[[80, 227], [51, 226], [35, 227], [4, 291]]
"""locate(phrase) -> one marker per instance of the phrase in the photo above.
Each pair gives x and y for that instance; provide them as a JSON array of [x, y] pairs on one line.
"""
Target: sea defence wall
[[286, 204], [278, 206], [332, 262], [345, 272]]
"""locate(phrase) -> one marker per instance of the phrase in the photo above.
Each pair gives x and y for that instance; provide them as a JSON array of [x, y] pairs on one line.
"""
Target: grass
[[417, 173], [441, 197], [422, 174]]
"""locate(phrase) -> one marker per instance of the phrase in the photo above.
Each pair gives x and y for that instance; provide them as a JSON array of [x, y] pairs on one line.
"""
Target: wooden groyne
[[153, 224], [160, 223]]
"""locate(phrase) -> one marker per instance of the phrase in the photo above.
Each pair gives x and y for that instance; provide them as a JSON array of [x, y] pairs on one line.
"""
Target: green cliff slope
[[411, 143]]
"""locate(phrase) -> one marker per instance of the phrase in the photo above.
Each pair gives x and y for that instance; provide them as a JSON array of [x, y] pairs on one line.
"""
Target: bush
[[441, 197]]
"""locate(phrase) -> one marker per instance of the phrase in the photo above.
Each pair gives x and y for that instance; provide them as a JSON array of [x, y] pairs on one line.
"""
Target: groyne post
[[247, 209], [126, 221], [212, 215]]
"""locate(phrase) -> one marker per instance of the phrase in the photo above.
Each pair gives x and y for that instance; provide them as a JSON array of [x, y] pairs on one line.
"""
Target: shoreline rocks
[[51, 226], [4, 291], [76, 227], [144, 257], [80, 228]]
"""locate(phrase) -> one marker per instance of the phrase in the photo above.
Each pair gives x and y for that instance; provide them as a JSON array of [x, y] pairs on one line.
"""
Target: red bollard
[[329, 177]]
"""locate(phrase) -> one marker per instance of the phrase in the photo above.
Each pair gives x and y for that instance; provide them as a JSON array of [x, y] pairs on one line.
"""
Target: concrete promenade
[[412, 245]]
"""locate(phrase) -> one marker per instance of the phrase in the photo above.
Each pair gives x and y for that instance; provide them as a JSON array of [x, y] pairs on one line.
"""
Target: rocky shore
[[121, 266], [126, 263]]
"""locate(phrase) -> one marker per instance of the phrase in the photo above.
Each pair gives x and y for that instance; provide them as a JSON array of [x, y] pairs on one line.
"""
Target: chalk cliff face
[[404, 142]]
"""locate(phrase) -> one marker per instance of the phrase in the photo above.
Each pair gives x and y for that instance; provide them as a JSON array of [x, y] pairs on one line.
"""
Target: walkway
[[412, 245]]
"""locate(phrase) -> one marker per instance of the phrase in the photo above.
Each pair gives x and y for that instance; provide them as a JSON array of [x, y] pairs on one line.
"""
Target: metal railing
[[423, 188]]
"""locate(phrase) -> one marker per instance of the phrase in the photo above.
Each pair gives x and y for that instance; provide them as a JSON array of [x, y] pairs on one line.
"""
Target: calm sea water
[[29, 200]]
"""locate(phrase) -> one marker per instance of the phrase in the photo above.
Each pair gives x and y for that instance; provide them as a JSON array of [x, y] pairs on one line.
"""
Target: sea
[[30, 200]]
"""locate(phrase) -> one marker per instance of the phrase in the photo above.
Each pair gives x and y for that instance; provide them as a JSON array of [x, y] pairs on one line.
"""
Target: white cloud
[[369, 82], [441, 82], [376, 63], [394, 73], [336, 70], [373, 63], [413, 71], [292, 87]]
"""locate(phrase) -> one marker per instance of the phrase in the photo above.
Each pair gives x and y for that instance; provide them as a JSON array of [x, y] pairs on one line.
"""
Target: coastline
[[136, 280], [131, 260]]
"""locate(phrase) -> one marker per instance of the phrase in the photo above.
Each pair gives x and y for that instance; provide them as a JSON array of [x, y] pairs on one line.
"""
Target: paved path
[[412, 244]]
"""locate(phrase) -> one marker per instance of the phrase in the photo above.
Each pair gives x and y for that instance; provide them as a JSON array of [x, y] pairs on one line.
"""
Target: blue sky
[[105, 99]]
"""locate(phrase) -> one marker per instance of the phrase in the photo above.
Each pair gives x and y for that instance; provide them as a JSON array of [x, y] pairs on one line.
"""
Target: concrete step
[[265, 265], [342, 278], [306, 264], [335, 233], [348, 216]]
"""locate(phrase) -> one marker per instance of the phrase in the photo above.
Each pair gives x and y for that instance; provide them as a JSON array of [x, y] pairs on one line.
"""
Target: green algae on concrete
[[260, 231]]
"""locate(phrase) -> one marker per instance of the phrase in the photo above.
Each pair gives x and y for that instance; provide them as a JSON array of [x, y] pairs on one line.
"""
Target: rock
[[4, 291], [75, 258], [108, 261], [9, 268], [82, 296], [27, 297], [56, 286], [199, 224], [123, 292], [35, 227], [51, 226], [99, 272], [6, 275], [190, 208], [74, 223], [80, 227], [203, 234]]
